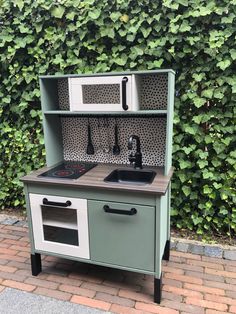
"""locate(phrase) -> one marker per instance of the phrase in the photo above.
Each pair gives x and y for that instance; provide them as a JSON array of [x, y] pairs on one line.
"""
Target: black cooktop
[[68, 170]]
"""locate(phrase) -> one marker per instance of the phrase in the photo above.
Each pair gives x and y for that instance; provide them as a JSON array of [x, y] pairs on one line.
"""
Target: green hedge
[[196, 38]]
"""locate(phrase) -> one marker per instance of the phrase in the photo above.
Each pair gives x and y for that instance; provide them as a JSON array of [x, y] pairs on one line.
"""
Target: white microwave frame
[[76, 95]]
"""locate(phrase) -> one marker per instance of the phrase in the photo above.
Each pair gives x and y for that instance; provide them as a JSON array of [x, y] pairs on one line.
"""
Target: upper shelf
[[105, 113], [134, 94]]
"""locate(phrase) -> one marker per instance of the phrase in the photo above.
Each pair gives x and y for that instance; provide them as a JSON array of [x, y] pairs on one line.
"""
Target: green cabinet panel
[[120, 239]]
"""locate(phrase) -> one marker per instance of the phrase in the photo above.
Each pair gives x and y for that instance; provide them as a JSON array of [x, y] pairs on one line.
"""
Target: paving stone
[[182, 247], [196, 249], [230, 254], [21, 223], [173, 245], [9, 221], [213, 251], [27, 303]]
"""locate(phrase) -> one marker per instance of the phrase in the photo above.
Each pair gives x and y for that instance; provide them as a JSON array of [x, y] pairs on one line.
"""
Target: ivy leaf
[[120, 61], [94, 14], [58, 11], [233, 53], [224, 64], [198, 77], [208, 93], [202, 163], [207, 189], [20, 4], [186, 190], [199, 102], [70, 16], [146, 31], [197, 119], [157, 63], [184, 27], [184, 164]]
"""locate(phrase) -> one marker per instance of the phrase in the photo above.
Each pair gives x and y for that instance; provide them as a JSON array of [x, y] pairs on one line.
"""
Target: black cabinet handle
[[123, 89], [130, 212], [47, 202]]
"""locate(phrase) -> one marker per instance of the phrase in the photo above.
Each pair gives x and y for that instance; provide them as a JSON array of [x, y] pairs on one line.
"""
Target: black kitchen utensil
[[116, 147], [90, 148]]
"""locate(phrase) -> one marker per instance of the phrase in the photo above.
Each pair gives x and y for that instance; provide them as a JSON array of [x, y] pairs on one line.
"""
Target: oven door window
[[60, 225]]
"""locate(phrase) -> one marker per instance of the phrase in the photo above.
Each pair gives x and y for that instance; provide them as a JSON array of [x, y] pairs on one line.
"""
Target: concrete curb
[[210, 250], [177, 244]]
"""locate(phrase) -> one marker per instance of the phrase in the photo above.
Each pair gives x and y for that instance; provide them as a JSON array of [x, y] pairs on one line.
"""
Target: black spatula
[[116, 147], [90, 148]]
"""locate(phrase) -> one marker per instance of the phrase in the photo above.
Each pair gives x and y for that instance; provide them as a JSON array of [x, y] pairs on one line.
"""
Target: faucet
[[137, 157]]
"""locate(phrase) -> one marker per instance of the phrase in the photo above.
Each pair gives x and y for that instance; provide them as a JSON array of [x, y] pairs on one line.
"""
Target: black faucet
[[137, 157]]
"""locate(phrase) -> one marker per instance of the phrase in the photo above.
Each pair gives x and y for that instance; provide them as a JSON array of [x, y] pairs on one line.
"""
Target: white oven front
[[60, 224]]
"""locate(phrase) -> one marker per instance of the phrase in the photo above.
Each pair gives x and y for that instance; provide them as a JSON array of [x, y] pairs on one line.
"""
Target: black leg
[[157, 289], [166, 255], [36, 266]]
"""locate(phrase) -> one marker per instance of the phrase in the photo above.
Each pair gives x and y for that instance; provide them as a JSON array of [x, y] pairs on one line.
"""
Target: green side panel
[[121, 239], [53, 139], [94, 194], [168, 211], [164, 222], [169, 126], [49, 94], [161, 231]]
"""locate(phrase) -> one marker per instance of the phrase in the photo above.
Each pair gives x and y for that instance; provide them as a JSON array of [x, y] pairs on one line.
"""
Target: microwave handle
[[47, 202], [123, 93]]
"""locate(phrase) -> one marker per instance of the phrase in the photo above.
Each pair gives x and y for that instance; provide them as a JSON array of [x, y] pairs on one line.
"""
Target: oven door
[[101, 93], [60, 225]]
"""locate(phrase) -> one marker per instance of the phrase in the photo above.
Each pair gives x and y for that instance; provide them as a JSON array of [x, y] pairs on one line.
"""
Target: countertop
[[94, 178]]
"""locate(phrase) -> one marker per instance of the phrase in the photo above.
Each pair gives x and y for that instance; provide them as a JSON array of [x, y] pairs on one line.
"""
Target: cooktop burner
[[68, 170]]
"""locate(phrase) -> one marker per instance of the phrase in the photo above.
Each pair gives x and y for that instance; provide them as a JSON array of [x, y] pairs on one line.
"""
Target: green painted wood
[[158, 257], [168, 212], [120, 239], [169, 127], [94, 194], [164, 222], [136, 270], [53, 139], [108, 74], [29, 219], [161, 113], [51, 124], [49, 94]]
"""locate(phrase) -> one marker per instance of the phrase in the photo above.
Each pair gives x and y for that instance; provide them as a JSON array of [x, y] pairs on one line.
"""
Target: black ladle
[[90, 148], [116, 147]]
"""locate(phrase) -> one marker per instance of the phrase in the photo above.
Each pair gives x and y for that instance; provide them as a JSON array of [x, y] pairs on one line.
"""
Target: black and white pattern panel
[[154, 91], [63, 94], [151, 131], [101, 94]]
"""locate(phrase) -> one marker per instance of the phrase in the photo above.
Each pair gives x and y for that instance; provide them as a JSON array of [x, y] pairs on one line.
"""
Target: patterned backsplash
[[151, 131]]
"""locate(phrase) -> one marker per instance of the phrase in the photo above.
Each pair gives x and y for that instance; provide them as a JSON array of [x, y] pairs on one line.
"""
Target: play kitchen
[[104, 196]]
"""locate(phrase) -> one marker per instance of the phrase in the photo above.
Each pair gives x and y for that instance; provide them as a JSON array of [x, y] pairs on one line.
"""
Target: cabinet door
[[60, 224], [122, 234], [105, 93]]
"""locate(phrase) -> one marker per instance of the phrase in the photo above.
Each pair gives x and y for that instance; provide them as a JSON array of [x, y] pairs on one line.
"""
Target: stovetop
[[68, 170]]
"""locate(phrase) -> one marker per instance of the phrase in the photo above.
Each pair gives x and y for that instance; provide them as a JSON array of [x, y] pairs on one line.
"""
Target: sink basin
[[131, 176]]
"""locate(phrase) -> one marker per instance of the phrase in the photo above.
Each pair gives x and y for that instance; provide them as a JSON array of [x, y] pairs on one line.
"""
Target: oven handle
[[123, 90], [130, 212], [47, 202]]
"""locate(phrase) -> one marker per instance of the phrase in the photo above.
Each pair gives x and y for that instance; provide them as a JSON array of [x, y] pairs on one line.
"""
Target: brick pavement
[[192, 283]]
